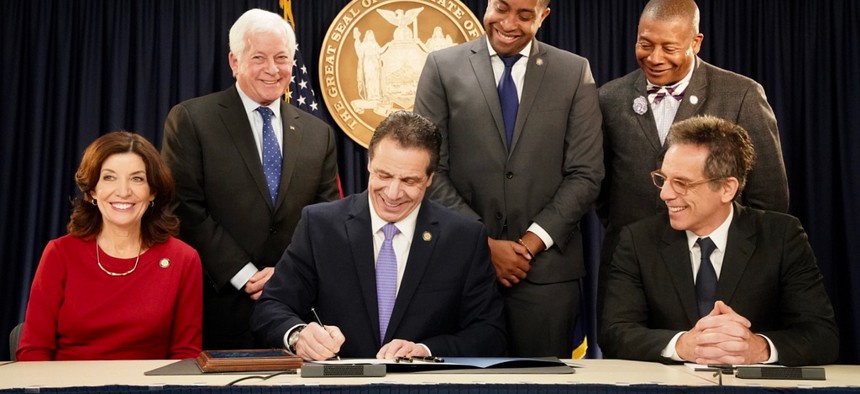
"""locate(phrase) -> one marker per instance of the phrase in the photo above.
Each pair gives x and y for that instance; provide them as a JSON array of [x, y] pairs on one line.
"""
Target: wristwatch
[[294, 338]]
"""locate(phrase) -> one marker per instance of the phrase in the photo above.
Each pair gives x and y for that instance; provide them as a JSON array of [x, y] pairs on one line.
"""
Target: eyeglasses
[[679, 186]]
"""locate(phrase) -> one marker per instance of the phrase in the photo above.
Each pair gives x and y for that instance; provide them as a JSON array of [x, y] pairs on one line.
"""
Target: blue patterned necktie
[[386, 279], [706, 279], [271, 154], [508, 97]]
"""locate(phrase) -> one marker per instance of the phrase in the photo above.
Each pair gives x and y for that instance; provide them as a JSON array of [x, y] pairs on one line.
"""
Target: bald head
[[665, 10]]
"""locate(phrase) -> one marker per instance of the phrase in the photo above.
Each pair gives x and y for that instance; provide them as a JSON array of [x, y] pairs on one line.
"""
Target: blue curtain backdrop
[[74, 70]]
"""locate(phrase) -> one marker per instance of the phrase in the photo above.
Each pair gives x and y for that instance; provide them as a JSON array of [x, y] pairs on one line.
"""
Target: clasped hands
[[254, 286], [512, 260], [318, 343], [722, 337]]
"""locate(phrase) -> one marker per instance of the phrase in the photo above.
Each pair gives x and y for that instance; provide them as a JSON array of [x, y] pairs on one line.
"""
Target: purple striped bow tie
[[657, 93]]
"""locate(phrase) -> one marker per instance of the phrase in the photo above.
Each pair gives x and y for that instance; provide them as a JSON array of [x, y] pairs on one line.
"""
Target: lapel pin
[[293, 128], [539, 61], [694, 99], [427, 236], [164, 263]]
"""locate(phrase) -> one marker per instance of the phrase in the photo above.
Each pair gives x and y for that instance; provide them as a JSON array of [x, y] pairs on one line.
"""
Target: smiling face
[[512, 24], [398, 179], [264, 70], [703, 208], [122, 192], [666, 49]]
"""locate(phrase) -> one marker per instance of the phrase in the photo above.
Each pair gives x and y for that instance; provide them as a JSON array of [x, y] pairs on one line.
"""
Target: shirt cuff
[[287, 336], [542, 234], [238, 281], [669, 351], [774, 355]]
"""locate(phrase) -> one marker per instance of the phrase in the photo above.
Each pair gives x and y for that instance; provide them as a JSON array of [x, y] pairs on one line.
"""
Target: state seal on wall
[[373, 54]]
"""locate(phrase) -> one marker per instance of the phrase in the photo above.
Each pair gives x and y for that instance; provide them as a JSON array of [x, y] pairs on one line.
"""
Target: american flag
[[301, 91], [302, 95]]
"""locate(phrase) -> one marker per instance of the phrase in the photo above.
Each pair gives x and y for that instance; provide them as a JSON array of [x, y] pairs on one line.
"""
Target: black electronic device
[[787, 373], [312, 370]]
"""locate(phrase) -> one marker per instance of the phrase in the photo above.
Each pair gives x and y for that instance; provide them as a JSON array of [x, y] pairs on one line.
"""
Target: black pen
[[726, 369], [314, 311]]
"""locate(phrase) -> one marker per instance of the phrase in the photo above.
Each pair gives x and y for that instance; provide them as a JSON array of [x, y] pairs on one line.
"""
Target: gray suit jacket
[[223, 200], [552, 173], [633, 149], [769, 275]]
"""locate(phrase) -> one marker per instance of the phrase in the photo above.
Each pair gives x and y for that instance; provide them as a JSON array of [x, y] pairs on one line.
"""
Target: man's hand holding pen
[[319, 343]]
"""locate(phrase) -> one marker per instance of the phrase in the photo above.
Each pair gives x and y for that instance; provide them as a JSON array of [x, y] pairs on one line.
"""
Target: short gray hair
[[256, 21]]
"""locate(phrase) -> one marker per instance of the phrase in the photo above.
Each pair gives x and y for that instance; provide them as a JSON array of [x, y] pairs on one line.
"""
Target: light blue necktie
[[508, 97], [386, 279], [706, 279], [271, 154]]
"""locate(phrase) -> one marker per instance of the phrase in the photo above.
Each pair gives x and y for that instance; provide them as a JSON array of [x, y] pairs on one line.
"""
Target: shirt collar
[[524, 52], [251, 105], [406, 226], [720, 235]]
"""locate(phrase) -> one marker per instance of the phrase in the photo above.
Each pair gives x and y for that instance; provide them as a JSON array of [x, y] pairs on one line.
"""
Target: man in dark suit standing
[[389, 272], [711, 281], [522, 151], [245, 164], [673, 84]]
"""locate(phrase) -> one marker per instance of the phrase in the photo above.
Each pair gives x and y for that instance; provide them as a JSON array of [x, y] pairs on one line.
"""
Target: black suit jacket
[[223, 201], [447, 299], [769, 275]]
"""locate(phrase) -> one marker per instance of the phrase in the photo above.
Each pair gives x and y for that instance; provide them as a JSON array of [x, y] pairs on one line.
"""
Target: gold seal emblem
[[373, 54], [427, 236], [164, 263]]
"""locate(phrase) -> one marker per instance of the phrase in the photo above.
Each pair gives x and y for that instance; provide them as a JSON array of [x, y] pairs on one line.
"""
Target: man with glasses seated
[[711, 281]]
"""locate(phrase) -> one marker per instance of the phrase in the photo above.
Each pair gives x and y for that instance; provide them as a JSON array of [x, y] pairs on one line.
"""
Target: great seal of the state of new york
[[373, 54]]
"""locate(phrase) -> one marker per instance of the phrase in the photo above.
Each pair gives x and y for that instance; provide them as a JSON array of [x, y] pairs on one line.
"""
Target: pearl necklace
[[99, 261]]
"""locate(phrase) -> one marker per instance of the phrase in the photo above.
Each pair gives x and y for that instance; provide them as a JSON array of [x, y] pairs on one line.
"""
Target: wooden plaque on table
[[247, 360]]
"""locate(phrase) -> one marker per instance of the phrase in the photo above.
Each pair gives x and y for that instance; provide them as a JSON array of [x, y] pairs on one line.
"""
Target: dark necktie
[[386, 279], [659, 93], [271, 154], [706, 279], [508, 97]]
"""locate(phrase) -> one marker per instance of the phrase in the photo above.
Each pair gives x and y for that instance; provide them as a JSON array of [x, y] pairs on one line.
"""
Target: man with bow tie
[[673, 84], [388, 272]]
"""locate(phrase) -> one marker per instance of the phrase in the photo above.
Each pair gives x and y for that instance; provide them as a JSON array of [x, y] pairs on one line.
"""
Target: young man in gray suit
[[709, 280], [673, 84], [246, 163], [522, 151]]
